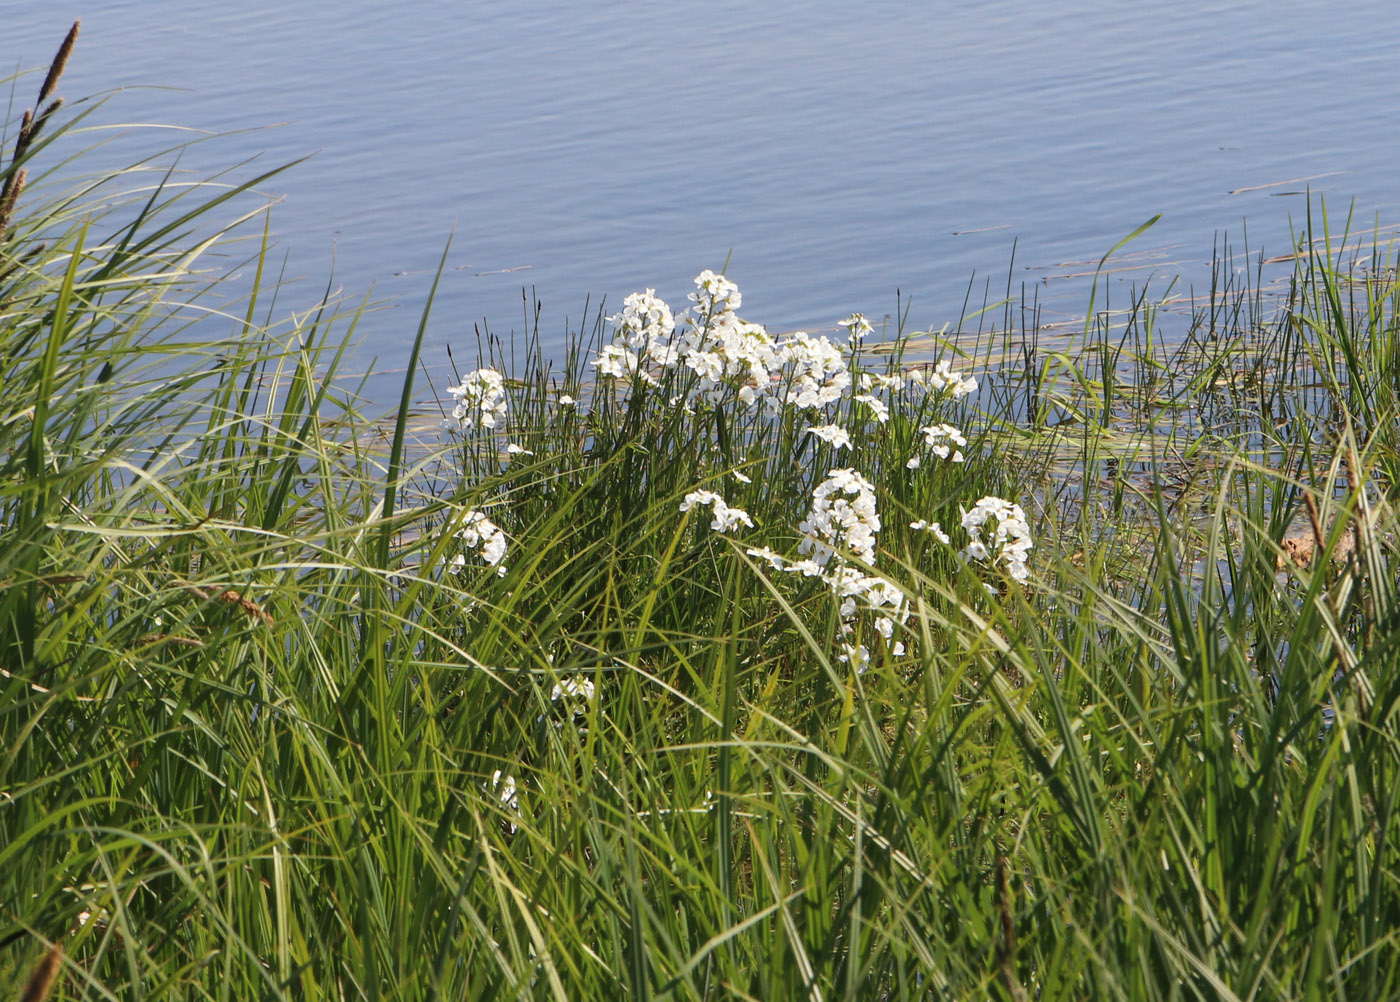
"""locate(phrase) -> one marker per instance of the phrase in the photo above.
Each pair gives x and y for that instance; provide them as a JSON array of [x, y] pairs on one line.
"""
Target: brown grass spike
[[42, 980], [8, 196], [1006, 945], [59, 62]]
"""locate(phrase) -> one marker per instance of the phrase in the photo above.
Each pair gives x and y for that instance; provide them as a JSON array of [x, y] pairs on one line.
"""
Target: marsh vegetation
[[697, 662]]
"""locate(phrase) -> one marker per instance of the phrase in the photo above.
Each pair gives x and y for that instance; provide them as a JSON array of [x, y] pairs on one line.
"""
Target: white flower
[[484, 536], [566, 401], [764, 553], [504, 788], [857, 656], [699, 497], [577, 687], [725, 517], [644, 321], [942, 377], [817, 372], [742, 478], [842, 517], [715, 294], [481, 399], [707, 364], [940, 440], [881, 409], [833, 433], [934, 528], [518, 450], [619, 362], [858, 326], [1011, 538]]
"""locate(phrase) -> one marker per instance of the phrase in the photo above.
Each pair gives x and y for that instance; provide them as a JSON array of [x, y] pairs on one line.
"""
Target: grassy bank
[[699, 662]]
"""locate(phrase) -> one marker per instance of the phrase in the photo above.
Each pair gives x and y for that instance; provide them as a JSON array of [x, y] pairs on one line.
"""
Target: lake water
[[832, 153]]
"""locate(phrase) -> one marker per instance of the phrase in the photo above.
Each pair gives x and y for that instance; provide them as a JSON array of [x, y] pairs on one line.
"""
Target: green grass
[[255, 720]]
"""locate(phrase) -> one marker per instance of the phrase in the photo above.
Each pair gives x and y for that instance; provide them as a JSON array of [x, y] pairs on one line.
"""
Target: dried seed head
[[59, 62], [26, 127], [14, 184], [45, 974]]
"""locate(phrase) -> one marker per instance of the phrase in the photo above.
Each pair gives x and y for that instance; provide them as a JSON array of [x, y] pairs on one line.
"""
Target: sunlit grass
[[294, 706]]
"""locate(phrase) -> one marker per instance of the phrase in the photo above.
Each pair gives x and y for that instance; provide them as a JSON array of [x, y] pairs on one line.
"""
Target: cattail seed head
[[59, 62], [45, 974]]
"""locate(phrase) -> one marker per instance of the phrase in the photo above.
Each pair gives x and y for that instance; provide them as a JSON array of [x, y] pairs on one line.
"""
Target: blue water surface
[[832, 153]]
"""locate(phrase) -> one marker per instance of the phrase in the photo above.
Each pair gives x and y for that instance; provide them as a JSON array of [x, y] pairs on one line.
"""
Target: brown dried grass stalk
[[9, 195], [30, 127], [230, 597], [60, 62], [41, 981]]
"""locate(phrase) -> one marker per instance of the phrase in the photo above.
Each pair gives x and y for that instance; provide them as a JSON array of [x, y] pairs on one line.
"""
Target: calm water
[[832, 152]]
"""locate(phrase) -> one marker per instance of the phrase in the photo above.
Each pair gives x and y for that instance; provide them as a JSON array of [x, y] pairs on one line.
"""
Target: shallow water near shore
[[837, 163]]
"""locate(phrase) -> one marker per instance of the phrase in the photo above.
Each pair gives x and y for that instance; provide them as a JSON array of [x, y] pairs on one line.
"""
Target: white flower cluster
[[872, 384], [485, 537], [858, 326], [715, 294], [833, 433], [711, 356], [923, 525], [843, 517], [619, 362], [573, 694], [1011, 538], [503, 785], [576, 687], [725, 353], [942, 440], [942, 377], [645, 319], [842, 524], [642, 337], [818, 374], [481, 399], [725, 517], [878, 407]]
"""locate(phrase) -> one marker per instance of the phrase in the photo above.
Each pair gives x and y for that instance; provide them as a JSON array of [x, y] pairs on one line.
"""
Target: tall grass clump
[[696, 661]]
